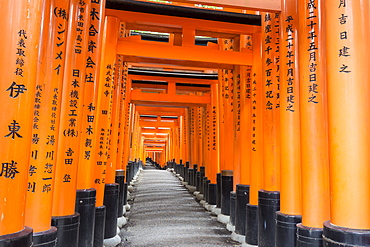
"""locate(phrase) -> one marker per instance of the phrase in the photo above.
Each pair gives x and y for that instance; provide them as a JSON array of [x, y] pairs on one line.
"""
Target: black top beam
[[178, 11], [203, 76], [165, 38]]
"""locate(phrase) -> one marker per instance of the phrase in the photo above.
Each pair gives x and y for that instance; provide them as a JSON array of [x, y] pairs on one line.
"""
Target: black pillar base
[[68, 229], [268, 205], [232, 207], [120, 179], [309, 236], [226, 188], [46, 238], [212, 194], [195, 169], [242, 199], [125, 187], [251, 225], [336, 236], [22, 238], [203, 183], [198, 181], [201, 179], [219, 190], [286, 229], [206, 186], [186, 174], [85, 206], [111, 203], [128, 173], [191, 176], [99, 226]]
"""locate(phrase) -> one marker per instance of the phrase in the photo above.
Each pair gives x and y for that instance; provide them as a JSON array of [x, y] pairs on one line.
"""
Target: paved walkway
[[163, 213]]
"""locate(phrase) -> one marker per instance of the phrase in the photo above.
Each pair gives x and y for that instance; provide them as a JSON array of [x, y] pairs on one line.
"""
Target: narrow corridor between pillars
[[163, 213]]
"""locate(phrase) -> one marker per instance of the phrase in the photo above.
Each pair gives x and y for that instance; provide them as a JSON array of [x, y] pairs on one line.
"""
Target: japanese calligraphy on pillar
[[268, 49], [237, 90], [43, 141], [103, 125], [255, 93], [14, 90], [208, 128], [200, 119], [214, 127], [276, 57], [126, 110], [290, 57], [185, 129], [312, 22], [344, 49], [248, 82]]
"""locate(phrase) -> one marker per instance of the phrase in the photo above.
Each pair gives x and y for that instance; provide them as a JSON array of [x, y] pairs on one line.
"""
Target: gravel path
[[163, 213]]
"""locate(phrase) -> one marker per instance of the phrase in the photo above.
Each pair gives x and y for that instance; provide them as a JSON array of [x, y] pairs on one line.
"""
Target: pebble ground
[[164, 214]]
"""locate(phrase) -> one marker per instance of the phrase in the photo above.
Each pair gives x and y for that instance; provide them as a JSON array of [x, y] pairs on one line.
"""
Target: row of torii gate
[[280, 99]]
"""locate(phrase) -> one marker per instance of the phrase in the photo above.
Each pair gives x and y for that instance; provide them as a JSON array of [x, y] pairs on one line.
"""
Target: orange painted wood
[[221, 116], [228, 111], [237, 163], [192, 54], [178, 22], [18, 63], [46, 114], [137, 97], [290, 166], [104, 106], [271, 94], [88, 134], [314, 118], [348, 100], [270, 5], [126, 108], [214, 134], [71, 113], [245, 112], [113, 137], [257, 167]]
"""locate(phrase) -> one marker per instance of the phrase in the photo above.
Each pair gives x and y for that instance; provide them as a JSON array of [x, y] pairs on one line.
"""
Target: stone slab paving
[[163, 213]]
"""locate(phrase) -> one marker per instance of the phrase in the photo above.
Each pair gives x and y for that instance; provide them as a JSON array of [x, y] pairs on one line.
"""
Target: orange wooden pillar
[[18, 63], [127, 117], [290, 198], [313, 103], [228, 114], [113, 137], [245, 122], [124, 118], [214, 130], [106, 192], [349, 123], [207, 141], [193, 144], [237, 123], [91, 82], [187, 134], [45, 126], [183, 138], [200, 133], [70, 126], [89, 232], [253, 234], [221, 115], [268, 196]]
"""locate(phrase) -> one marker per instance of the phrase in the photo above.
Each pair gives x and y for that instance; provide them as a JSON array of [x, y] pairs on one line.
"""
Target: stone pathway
[[163, 213]]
